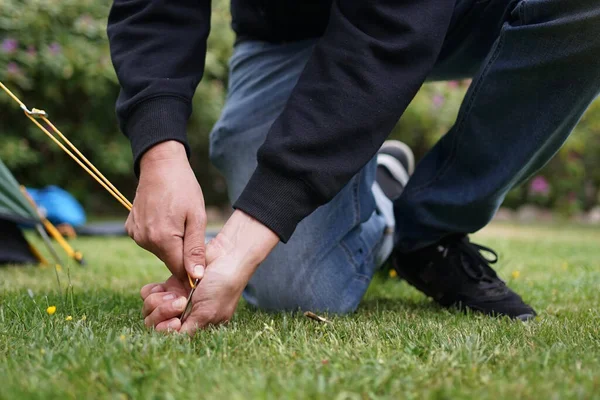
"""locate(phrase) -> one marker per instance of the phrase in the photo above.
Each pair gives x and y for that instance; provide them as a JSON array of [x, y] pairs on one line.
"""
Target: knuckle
[[161, 312], [197, 251], [199, 218], [153, 300]]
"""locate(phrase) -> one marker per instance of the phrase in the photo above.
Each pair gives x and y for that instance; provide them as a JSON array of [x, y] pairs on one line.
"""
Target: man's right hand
[[168, 216]]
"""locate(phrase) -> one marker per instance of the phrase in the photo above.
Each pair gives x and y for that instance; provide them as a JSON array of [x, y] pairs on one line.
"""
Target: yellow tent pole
[[76, 255], [37, 254]]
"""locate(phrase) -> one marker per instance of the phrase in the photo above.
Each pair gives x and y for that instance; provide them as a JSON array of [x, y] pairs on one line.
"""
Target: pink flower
[[438, 101], [453, 84], [31, 51], [55, 49], [9, 45], [13, 69], [539, 185]]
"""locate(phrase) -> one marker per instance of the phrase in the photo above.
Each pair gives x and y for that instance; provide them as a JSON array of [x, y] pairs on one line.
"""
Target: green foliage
[[54, 55], [398, 345]]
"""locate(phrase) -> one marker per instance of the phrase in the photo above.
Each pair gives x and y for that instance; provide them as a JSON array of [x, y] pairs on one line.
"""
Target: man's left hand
[[232, 257]]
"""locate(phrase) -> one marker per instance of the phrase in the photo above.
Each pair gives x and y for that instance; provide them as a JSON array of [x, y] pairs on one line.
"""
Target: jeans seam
[[348, 253], [523, 10], [461, 123], [356, 195]]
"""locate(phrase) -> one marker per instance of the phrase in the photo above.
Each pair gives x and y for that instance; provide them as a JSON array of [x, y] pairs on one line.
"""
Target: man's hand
[[232, 258], [168, 216]]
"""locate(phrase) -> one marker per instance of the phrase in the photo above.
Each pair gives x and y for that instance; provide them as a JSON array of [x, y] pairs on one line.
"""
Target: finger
[[172, 325], [174, 285], [156, 299], [171, 253], [151, 288], [129, 225], [194, 252], [166, 311]]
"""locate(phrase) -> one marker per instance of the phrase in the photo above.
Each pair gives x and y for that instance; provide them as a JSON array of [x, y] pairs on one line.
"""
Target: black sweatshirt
[[370, 60]]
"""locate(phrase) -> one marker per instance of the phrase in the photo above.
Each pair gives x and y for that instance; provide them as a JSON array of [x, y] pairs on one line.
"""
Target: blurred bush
[[54, 55]]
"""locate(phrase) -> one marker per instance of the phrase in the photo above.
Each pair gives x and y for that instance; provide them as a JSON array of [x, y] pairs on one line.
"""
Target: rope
[[83, 162], [35, 114]]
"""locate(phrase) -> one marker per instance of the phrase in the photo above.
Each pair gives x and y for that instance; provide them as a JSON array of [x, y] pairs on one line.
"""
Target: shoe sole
[[403, 147]]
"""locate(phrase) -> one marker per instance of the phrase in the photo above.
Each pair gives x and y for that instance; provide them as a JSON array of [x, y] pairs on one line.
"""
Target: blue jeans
[[536, 68]]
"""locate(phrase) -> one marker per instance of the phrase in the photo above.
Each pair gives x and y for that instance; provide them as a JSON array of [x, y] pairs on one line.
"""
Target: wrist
[[165, 151], [246, 239]]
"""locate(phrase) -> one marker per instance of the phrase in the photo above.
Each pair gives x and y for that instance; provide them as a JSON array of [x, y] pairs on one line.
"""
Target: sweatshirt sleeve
[[363, 73], [158, 48]]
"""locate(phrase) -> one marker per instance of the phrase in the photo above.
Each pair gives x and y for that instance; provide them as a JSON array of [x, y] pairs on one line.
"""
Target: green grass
[[398, 345]]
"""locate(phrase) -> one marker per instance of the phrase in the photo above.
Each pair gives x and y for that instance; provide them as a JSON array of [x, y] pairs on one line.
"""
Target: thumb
[[194, 249]]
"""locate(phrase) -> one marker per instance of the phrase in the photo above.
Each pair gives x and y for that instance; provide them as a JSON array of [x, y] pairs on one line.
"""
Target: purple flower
[[55, 49], [31, 51], [9, 45], [438, 100], [13, 69], [539, 185]]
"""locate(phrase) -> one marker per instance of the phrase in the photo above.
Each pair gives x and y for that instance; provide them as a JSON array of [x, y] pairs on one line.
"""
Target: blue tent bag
[[59, 206]]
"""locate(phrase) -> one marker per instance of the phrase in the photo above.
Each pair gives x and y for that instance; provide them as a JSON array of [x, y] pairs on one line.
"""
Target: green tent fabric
[[13, 205], [14, 209]]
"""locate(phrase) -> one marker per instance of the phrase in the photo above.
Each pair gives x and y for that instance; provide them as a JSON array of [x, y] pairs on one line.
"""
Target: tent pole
[[42, 232], [38, 255], [74, 254]]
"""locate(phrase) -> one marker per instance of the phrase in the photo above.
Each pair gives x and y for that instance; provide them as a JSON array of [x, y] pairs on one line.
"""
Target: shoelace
[[474, 263]]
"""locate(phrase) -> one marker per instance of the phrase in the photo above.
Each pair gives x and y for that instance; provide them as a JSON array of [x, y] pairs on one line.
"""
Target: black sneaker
[[455, 273], [395, 164]]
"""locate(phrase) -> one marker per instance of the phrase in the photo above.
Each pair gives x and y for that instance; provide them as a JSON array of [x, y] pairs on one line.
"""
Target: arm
[[362, 75], [158, 49]]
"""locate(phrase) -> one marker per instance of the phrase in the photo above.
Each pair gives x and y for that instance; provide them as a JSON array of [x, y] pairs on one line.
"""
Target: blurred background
[[54, 55]]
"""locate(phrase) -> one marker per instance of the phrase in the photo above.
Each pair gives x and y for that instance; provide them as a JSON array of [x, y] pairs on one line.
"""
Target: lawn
[[398, 345]]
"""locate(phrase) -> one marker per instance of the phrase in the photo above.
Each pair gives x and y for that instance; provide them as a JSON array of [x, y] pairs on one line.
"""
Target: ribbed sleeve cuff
[[276, 201], [154, 121]]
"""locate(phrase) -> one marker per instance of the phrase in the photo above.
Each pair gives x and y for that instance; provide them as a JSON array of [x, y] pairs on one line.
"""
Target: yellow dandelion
[[393, 273], [51, 310], [516, 274], [58, 268], [122, 338], [69, 318]]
